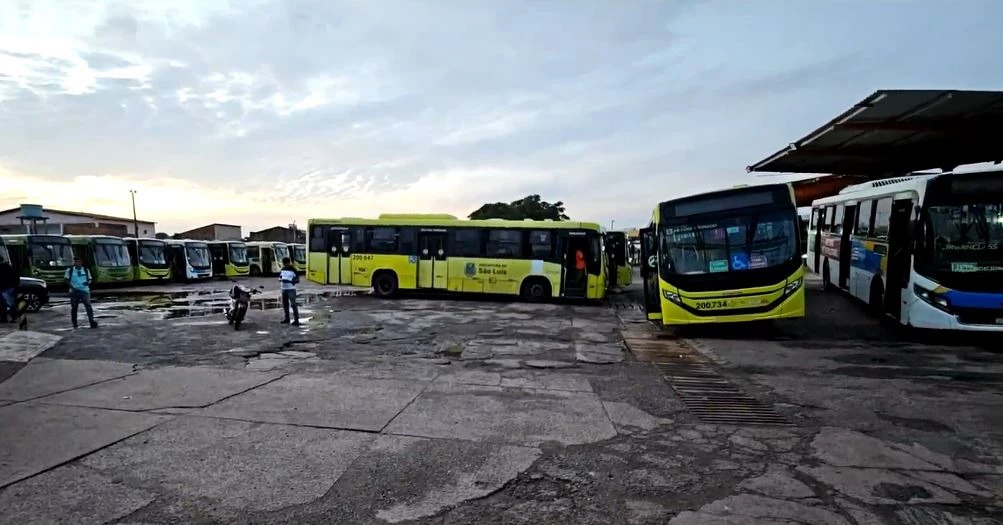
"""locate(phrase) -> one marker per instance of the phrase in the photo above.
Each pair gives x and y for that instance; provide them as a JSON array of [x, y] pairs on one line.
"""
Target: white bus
[[189, 260], [266, 257], [924, 249]]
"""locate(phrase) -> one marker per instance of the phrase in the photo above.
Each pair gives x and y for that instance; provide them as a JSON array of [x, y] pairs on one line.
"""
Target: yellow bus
[[297, 252], [229, 259], [149, 259], [725, 256], [533, 259]]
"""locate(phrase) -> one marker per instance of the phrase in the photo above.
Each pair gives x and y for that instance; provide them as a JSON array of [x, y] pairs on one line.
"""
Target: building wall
[[279, 234], [58, 222], [214, 232]]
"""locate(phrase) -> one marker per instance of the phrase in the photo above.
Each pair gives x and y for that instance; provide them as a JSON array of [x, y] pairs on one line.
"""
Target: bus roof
[[177, 242], [265, 243], [411, 220], [21, 237], [143, 239], [84, 238], [225, 242]]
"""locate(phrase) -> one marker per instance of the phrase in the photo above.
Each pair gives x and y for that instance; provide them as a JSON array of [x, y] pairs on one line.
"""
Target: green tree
[[529, 207]]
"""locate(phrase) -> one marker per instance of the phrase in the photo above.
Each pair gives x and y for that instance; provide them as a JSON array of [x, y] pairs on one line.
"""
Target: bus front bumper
[[792, 307], [926, 316]]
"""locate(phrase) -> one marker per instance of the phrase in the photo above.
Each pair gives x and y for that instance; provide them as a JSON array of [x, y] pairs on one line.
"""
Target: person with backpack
[[287, 284], [79, 280]]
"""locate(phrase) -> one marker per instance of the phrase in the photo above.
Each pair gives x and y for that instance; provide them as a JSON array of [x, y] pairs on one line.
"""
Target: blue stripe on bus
[[975, 299], [863, 256]]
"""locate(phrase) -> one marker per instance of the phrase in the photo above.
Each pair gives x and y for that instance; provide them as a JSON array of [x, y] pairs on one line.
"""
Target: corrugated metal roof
[[898, 131]]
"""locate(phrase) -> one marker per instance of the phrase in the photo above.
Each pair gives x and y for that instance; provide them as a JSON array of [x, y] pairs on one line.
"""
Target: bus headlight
[[932, 298], [672, 297], [792, 286]]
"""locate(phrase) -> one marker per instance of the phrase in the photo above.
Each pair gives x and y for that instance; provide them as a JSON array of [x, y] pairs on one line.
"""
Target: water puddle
[[178, 305]]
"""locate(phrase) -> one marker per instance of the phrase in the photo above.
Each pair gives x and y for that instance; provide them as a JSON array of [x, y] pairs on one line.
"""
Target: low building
[[61, 222], [279, 234], [214, 232]]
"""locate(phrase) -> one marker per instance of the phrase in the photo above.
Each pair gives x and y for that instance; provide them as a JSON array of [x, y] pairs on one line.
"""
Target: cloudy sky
[[260, 112]]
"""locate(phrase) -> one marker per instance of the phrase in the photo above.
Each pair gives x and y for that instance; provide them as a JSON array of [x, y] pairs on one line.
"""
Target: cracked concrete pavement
[[424, 410]]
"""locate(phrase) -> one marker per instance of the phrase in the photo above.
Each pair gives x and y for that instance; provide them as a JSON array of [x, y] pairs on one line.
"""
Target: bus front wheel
[[535, 290], [385, 284]]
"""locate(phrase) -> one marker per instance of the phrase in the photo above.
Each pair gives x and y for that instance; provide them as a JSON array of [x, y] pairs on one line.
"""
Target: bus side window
[[408, 241], [882, 216], [504, 243], [541, 244], [814, 218], [467, 242], [318, 242], [836, 225], [865, 218], [381, 240]]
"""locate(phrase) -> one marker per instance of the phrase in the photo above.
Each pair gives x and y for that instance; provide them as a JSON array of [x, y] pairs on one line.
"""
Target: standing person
[[79, 280], [287, 283], [8, 284], [580, 267]]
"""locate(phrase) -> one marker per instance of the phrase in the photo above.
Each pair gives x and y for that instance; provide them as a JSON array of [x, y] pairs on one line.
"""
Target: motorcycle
[[240, 300]]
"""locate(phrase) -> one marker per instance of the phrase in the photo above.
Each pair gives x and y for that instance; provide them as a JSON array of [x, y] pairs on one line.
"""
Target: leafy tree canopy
[[530, 207]]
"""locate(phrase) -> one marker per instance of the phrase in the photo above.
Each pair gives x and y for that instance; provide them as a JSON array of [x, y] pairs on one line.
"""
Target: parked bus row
[[117, 261], [925, 250]]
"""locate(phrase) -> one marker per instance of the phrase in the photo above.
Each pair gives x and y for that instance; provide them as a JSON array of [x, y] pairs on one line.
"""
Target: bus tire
[[876, 299], [255, 270], [826, 283], [535, 289], [384, 284]]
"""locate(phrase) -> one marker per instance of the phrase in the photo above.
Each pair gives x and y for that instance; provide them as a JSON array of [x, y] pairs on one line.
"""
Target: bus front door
[[573, 247], [339, 257], [846, 246], [649, 274], [897, 270], [816, 239], [432, 260]]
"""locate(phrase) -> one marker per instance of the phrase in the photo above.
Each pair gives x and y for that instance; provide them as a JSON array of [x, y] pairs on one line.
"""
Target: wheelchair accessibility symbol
[[739, 261]]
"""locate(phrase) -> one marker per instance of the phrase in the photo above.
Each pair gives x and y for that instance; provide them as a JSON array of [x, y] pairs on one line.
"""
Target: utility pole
[[611, 221], [135, 223]]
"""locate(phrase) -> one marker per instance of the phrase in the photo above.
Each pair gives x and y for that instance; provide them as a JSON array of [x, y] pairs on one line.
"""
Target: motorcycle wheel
[[239, 317]]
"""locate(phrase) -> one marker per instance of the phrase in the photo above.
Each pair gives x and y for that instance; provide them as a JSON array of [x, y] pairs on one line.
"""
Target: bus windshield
[[966, 238], [108, 254], [238, 254], [152, 253], [299, 254], [50, 253], [732, 244], [281, 252], [198, 256]]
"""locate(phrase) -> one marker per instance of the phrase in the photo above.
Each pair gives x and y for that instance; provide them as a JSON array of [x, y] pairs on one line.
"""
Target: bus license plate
[[711, 305]]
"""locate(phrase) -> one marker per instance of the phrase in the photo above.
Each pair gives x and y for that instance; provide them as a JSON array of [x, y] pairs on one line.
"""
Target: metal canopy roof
[[898, 131]]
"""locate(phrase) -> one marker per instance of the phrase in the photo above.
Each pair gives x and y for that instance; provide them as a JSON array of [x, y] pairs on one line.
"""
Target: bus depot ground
[[432, 410]]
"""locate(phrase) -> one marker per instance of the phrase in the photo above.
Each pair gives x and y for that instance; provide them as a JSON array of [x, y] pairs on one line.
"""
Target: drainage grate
[[711, 397]]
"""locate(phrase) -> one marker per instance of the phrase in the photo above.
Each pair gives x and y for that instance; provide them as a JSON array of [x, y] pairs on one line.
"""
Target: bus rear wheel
[[535, 290], [255, 271], [385, 284]]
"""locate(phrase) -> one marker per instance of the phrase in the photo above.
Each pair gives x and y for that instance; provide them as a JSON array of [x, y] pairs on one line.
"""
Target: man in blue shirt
[[287, 284], [79, 279]]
